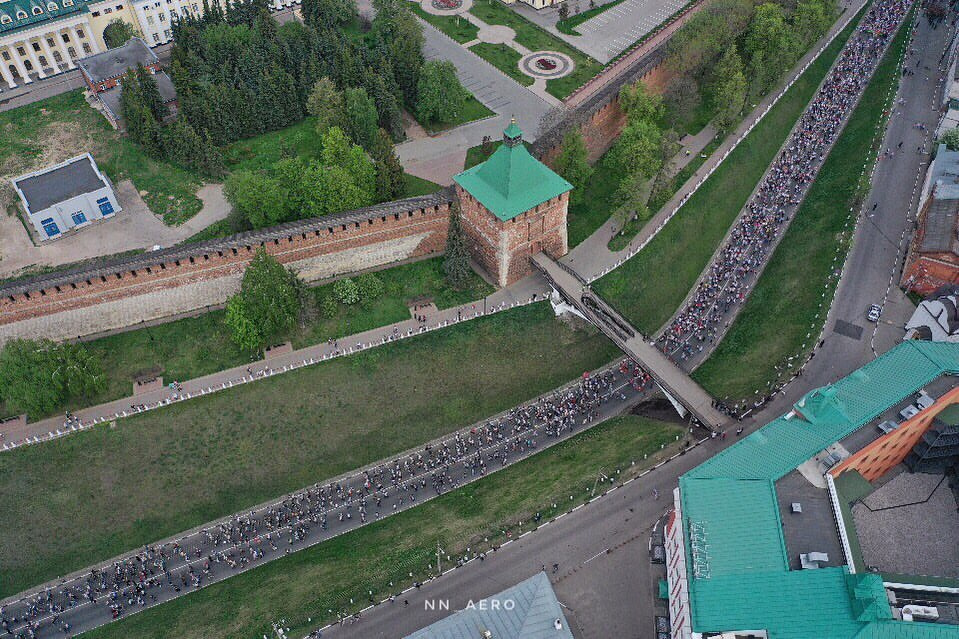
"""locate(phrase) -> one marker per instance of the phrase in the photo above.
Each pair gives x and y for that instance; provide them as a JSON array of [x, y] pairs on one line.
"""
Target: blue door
[[106, 208], [50, 227], [79, 218]]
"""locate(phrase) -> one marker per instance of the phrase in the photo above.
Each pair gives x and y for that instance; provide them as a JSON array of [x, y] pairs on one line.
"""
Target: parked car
[[873, 313]]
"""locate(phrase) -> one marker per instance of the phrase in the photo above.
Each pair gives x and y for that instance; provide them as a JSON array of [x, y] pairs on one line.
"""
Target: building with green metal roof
[[512, 207], [511, 181], [728, 568]]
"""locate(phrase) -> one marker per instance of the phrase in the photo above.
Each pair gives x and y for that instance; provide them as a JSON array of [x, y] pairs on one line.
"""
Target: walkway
[[674, 382], [441, 157], [135, 227], [523, 292], [597, 260]]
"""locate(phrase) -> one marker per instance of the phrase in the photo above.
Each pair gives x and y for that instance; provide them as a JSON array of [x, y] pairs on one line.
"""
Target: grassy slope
[[649, 288], [90, 496], [324, 577], [54, 129], [597, 203], [210, 349], [786, 303], [534, 38]]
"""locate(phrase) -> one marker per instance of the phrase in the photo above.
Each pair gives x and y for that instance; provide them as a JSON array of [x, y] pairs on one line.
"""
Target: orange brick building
[[933, 259], [513, 206]]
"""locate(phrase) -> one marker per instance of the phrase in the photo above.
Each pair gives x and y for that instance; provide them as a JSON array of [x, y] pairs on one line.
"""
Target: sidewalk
[[526, 291], [599, 261]]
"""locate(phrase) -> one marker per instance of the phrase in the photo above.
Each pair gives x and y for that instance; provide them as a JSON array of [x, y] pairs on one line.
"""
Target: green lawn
[[568, 26], [51, 130], [534, 38], [472, 110], [210, 349], [413, 186], [503, 58], [95, 494], [649, 288], [324, 577], [458, 28], [786, 304]]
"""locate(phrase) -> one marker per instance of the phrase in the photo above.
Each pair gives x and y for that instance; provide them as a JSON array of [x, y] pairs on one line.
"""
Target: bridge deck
[[668, 375]]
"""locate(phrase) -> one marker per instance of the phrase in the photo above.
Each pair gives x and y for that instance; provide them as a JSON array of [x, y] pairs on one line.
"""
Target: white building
[[65, 197]]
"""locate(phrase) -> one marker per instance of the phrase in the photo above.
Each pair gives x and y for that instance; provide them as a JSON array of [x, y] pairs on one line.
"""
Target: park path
[[524, 292], [592, 258]]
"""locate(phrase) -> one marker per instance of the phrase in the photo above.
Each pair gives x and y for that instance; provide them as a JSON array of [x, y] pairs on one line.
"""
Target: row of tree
[[735, 51], [145, 113], [343, 177], [238, 73]]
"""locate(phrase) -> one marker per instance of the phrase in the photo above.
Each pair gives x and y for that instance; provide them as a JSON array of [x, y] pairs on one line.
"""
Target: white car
[[873, 313]]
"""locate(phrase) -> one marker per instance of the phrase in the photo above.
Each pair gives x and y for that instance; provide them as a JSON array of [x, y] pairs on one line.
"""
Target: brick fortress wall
[[162, 284]]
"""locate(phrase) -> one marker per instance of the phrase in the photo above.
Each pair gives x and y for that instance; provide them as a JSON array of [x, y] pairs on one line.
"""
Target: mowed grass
[[196, 346], [90, 496], [456, 27], [315, 580], [784, 306], [49, 131], [471, 111], [503, 58], [534, 38], [650, 287]]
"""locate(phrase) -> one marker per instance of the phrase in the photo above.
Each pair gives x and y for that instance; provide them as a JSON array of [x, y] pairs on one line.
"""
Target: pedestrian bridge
[[673, 380]]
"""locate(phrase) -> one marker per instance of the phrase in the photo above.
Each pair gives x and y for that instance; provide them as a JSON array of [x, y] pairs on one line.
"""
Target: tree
[[639, 104], [150, 93], [637, 153], [326, 104], [400, 36], [38, 376], [362, 119], [681, 99], [117, 33], [346, 291], [456, 262], [439, 94], [260, 199], [770, 47], [951, 139], [268, 304], [563, 11], [573, 163], [328, 13], [728, 89], [339, 153], [389, 171]]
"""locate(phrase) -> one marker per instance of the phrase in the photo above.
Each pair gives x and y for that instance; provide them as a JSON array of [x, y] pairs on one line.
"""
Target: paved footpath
[[528, 290], [593, 259]]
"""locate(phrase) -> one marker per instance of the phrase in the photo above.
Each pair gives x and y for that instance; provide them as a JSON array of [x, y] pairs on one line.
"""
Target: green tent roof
[[730, 503], [511, 181]]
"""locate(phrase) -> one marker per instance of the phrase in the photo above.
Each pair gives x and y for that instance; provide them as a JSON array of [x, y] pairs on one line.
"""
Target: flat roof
[[43, 189], [115, 62], [744, 580], [528, 610]]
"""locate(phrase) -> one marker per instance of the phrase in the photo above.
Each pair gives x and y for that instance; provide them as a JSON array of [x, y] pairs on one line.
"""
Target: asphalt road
[[232, 545]]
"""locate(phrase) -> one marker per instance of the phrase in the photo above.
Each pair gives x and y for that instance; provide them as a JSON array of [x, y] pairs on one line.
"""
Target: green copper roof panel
[[58, 11], [807, 604], [730, 501], [908, 630], [511, 181], [736, 524], [833, 412]]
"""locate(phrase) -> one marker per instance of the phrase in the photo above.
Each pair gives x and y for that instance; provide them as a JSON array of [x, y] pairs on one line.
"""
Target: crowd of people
[[781, 190], [306, 516]]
